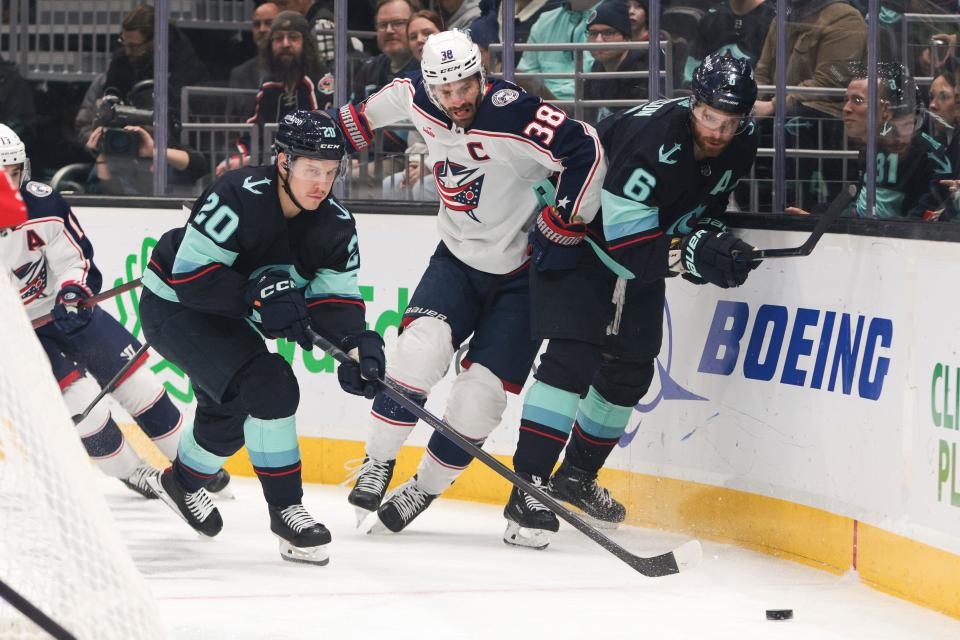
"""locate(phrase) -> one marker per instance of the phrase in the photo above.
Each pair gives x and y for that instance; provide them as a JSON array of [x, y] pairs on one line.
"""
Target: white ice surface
[[451, 576]]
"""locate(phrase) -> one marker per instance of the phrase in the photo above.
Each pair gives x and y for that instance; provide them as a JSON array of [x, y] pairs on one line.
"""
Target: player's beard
[[708, 150]]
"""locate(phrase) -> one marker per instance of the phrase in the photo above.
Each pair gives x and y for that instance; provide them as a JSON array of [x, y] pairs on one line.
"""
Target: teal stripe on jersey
[[196, 457], [197, 250], [271, 443], [623, 217], [328, 282], [601, 419], [889, 204], [549, 406], [152, 281]]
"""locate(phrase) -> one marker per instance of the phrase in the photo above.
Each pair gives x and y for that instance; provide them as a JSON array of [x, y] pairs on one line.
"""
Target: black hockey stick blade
[[827, 218], [110, 386], [683, 558]]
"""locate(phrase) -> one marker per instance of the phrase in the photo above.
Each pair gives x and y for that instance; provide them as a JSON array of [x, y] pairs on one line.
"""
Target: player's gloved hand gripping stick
[[86, 303], [683, 558]]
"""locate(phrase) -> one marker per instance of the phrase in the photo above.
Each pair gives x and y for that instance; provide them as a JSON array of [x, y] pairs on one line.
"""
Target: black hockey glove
[[708, 257], [282, 309], [555, 244], [68, 314], [361, 378]]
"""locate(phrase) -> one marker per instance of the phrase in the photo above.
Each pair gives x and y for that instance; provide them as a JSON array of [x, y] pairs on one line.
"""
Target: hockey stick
[[827, 218], [91, 301], [683, 558], [38, 617], [110, 386]]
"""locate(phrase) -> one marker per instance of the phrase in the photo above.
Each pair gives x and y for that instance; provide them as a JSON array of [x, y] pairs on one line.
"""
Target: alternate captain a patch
[[458, 186]]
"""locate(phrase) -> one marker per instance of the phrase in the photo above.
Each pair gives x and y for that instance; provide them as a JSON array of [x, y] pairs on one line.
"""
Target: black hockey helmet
[[310, 134], [725, 83]]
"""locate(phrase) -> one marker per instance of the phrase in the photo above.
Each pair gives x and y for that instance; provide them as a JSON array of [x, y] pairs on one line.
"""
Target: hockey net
[[59, 546]]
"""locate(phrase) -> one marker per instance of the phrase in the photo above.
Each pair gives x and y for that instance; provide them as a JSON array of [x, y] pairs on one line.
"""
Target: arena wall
[[812, 414]]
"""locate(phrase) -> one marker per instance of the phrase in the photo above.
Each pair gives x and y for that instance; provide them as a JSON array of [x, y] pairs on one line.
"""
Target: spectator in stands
[[909, 165], [85, 122], [737, 26], [16, 102], [415, 182], [823, 37], [458, 14], [526, 14], [423, 24], [610, 22], [945, 107], [249, 74], [395, 59], [296, 79], [637, 10], [360, 14], [566, 23]]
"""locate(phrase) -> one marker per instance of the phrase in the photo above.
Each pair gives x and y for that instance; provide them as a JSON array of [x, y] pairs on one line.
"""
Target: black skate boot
[[404, 504], [529, 523], [580, 488], [373, 476], [195, 508], [219, 482], [137, 481], [302, 539]]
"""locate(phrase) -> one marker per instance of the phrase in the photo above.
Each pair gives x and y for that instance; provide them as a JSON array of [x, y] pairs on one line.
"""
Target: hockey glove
[[555, 244], [282, 309], [69, 316], [709, 257], [362, 378]]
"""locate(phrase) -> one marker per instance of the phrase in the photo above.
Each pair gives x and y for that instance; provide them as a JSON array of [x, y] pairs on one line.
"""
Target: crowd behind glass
[[228, 87]]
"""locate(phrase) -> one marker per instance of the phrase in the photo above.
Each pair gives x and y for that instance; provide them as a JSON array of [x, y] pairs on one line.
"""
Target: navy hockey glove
[[555, 244], [362, 378], [68, 314], [708, 257], [282, 309]]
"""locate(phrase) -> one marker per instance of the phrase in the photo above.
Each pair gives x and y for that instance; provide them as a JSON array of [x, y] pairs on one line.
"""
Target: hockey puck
[[779, 614]]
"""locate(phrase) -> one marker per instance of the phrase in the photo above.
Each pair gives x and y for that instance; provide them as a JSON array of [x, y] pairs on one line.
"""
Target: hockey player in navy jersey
[[488, 144], [52, 261], [267, 252], [673, 164]]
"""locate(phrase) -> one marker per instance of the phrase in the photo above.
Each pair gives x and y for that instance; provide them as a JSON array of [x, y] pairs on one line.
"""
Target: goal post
[[60, 549]]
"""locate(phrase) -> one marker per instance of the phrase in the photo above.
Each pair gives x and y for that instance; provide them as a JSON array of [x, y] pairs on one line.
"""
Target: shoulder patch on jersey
[[504, 97], [39, 189]]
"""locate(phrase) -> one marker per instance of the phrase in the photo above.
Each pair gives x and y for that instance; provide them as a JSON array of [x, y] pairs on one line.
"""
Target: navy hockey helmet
[[725, 83], [310, 134]]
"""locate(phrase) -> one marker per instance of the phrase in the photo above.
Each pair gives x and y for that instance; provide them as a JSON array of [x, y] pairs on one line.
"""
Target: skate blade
[[361, 515], [167, 500], [318, 555], [371, 524], [224, 494], [523, 537]]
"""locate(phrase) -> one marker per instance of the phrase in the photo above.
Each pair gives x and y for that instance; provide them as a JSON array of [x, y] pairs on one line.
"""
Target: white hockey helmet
[[13, 151], [449, 56]]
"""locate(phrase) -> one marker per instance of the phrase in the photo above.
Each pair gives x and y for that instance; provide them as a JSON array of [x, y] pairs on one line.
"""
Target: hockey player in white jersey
[[488, 144], [52, 263]]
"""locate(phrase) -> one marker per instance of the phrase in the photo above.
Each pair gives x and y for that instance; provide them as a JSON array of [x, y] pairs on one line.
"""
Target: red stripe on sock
[[524, 427], [601, 443], [277, 475]]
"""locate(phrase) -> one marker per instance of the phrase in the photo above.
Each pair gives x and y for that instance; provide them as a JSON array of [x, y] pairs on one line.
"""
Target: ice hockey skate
[[404, 504], [529, 523], [219, 487], [137, 481], [580, 489], [196, 508], [372, 478], [302, 539]]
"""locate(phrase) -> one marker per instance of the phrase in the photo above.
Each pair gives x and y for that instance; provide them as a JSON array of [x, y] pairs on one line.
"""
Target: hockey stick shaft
[[662, 565], [38, 617], [114, 382], [827, 218], [91, 301]]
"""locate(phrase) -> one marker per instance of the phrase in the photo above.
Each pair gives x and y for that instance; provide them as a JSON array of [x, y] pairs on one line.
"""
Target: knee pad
[[78, 396], [623, 382], [268, 388], [569, 365], [147, 401], [476, 402], [422, 355]]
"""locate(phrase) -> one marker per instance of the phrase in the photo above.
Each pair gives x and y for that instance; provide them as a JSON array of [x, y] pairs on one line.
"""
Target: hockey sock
[[390, 425], [548, 414], [275, 455], [195, 465], [441, 463], [162, 422], [109, 449], [596, 431]]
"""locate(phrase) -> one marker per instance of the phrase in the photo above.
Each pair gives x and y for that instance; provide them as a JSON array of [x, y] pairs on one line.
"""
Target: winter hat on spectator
[[612, 13], [290, 21]]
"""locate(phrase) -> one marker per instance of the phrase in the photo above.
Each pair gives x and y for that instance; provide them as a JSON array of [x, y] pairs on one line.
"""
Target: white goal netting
[[59, 546]]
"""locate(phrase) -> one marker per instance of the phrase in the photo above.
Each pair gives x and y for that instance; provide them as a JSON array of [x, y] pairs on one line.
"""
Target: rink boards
[[812, 413]]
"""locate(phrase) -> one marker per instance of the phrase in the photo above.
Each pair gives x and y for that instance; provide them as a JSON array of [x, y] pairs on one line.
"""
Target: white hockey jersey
[[485, 174], [48, 251]]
